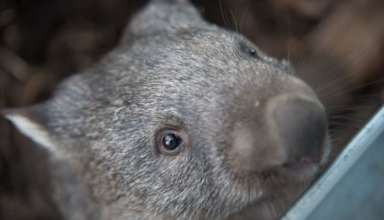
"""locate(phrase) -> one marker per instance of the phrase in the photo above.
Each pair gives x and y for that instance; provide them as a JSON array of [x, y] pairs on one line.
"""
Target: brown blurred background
[[337, 46]]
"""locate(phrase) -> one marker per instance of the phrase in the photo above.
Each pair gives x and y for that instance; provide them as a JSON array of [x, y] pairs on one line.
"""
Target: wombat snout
[[290, 131], [300, 125]]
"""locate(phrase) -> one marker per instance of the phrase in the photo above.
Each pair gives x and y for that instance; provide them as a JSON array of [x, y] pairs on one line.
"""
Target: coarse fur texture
[[174, 70]]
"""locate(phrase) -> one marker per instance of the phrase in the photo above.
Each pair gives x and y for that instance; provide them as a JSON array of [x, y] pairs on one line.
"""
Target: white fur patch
[[32, 130]]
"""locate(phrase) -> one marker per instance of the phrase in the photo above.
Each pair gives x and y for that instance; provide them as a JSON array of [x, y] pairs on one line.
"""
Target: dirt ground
[[337, 46]]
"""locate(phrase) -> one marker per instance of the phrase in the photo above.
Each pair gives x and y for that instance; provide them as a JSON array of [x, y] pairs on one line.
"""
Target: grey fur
[[174, 70]]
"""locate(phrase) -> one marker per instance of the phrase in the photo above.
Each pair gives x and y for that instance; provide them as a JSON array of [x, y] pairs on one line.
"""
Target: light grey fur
[[174, 70]]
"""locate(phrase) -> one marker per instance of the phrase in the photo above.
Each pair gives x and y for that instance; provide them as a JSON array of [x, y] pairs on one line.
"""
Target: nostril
[[300, 127]]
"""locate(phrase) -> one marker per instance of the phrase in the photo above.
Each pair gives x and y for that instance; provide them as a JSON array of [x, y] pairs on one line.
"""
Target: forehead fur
[[182, 73]]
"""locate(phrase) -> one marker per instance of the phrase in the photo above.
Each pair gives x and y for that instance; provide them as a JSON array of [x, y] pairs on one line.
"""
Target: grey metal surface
[[353, 187]]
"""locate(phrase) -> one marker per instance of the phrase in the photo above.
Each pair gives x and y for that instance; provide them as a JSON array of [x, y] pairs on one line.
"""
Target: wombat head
[[187, 121]]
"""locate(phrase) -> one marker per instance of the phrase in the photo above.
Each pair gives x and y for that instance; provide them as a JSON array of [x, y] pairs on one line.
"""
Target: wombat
[[185, 121]]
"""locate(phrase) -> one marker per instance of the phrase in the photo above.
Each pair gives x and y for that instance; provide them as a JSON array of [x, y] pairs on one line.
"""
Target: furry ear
[[30, 121], [164, 16]]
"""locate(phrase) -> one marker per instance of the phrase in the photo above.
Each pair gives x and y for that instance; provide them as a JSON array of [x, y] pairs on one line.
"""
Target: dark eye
[[252, 52], [249, 50], [171, 141]]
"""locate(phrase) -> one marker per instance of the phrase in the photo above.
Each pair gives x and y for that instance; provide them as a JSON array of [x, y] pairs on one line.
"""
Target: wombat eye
[[252, 52], [249, 50], [171, 141]]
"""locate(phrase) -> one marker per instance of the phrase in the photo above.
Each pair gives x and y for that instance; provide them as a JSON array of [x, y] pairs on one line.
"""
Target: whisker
[[234, 21], [225, 19], [244, 17], [374, 83]]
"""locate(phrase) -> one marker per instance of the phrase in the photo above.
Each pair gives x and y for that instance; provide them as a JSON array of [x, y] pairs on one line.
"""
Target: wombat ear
[[30, 121], [164, 16]]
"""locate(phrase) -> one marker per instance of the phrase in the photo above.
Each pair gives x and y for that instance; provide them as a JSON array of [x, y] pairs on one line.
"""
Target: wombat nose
[[299, 125], [291, 133]]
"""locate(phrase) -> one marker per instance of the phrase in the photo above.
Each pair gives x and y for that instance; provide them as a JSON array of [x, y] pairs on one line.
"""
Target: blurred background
[[337, 46]]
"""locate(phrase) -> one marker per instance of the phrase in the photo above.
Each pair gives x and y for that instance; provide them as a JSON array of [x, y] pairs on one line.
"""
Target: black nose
[[301, 127]]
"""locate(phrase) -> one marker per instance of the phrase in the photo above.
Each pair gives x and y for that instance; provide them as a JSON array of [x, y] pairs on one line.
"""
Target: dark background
[[337, 46]]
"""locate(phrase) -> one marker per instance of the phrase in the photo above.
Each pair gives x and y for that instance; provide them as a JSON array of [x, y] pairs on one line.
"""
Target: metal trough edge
[[354, 150]]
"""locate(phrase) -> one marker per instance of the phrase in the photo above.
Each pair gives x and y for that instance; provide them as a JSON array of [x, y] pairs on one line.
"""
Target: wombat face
[[187, 121]]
